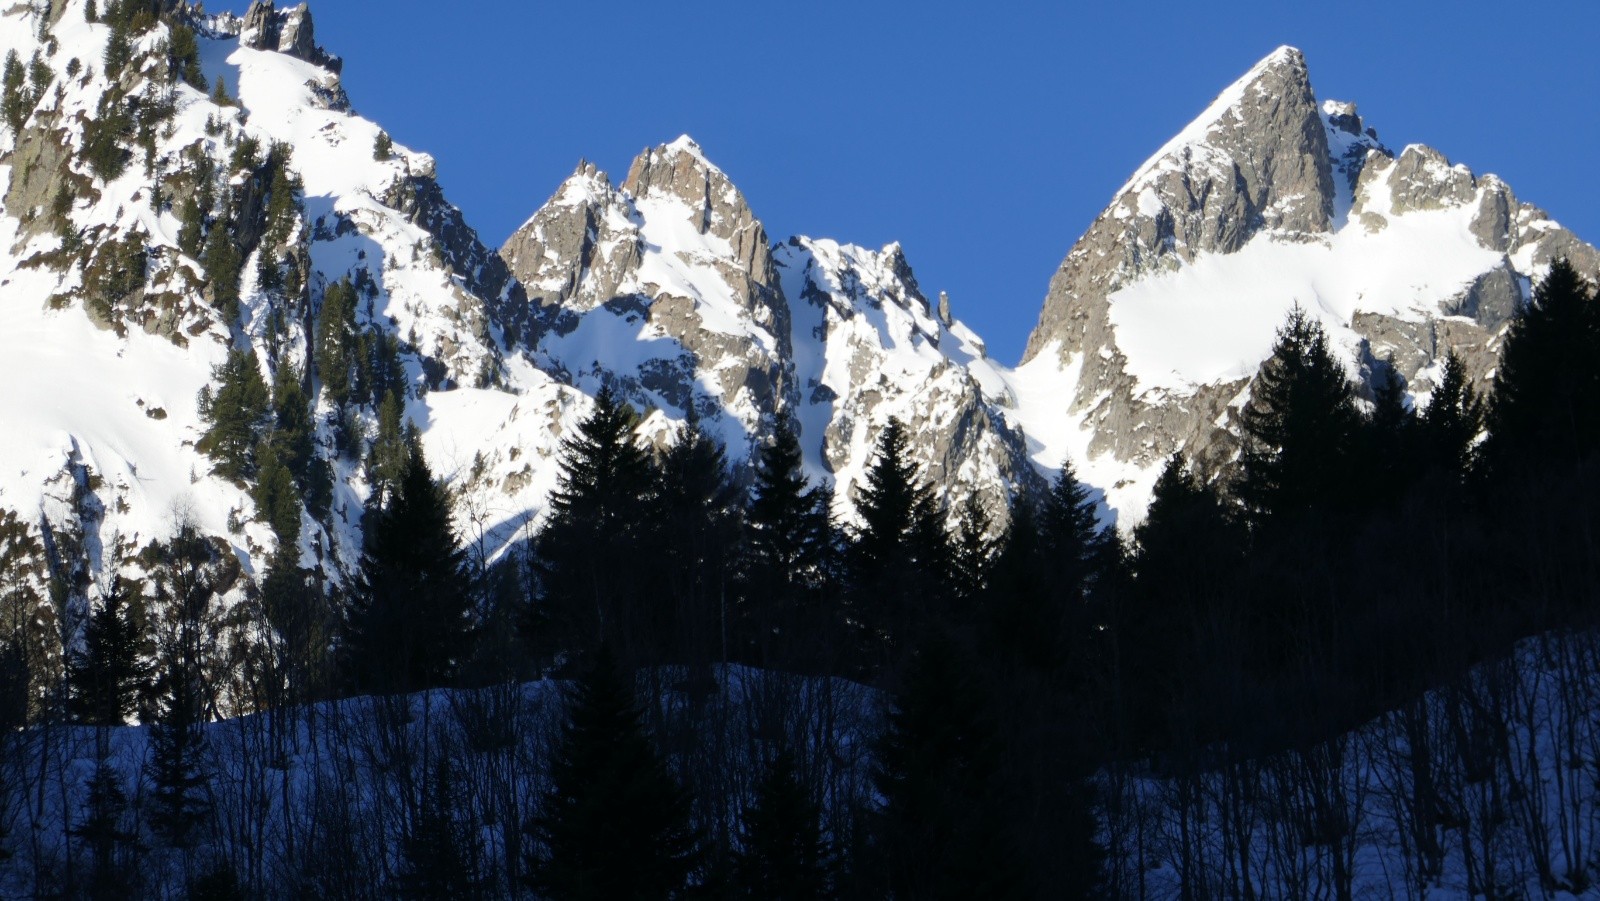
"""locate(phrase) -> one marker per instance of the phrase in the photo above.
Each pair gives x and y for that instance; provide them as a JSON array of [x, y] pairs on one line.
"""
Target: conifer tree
[[1186, 555], [592, 589], [694, 529], [614, 824], [219, 93], [973, 552], [191, 228], [438, 854], [106, 835], [898, 559], [391, 449], [1298, 426], [13, 98], [184, 52], [189, 574], [410, 623], [1451, 423], [221, 259], [941, 830], [119, 50], [234, 414], [277, 501], [293, 430], [1388, 443], [1546, 403], [785, 552], [336, 340], [1077, 552], [782, 854], [107, 675]]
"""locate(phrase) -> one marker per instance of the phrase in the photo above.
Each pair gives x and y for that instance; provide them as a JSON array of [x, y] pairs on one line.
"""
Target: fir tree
[[1298, 426], [336, 340], [277, 501], [942, 827], [184, 53], [190, 573], [592, 589], [234, 415], [1077, 552], [1451, 423], [438, 854], [119, 50], [391, 449], [221, 259], [614, 824], [693, 535], [106, 835], [382, 147], [410, 622], [782, 854], [898, 559], [973, 552], [785, 552], [219, 93], [1187, 553], [107, 675], [191, 227], [1546, 403], [13, 99]]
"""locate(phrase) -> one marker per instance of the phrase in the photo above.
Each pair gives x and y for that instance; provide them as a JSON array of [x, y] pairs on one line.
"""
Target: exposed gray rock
[[1264, 164], [286, 31]]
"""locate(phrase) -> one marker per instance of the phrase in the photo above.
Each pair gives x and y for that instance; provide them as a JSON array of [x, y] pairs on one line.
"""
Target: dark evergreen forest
[[694, 682]]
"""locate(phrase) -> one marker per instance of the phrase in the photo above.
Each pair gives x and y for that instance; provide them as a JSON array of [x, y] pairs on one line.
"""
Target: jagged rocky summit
[[1161, 312], [119, 296]]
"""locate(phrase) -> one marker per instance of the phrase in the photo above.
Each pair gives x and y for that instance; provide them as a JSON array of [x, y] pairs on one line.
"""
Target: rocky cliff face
[[667, 289], [1161, 312]]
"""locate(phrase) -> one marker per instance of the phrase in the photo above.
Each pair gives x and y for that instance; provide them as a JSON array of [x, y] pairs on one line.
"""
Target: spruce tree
[[942, 828], [276, 498], [1452, 421], [107, 675], [221, 259], [1546, 402], [592, 589], [336, 340], [973, 553], [784, 554], [898, 560], [190, 573], [103, 831], [1186, 556], [1077, 552], [14, 106], [234, 415], [614, 823], [782, 854], [1298, 426], [410, 622], [694, 530], [438, 854], [391, 449]]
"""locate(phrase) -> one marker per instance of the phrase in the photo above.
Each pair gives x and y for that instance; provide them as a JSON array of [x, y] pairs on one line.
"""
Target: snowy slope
[[1268, 200]]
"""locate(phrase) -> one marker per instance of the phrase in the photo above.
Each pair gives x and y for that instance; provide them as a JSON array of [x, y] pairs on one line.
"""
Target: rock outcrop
[[1165, 306]]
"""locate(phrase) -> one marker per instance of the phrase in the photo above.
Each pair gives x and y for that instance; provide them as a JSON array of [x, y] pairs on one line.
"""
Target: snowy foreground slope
[[1506, 754], [665, 287]]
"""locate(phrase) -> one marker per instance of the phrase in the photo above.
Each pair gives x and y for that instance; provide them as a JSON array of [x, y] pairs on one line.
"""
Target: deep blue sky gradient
[[985, 137]]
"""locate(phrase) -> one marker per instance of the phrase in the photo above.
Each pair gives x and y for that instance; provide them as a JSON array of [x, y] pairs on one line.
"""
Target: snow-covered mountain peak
[[1271, 198]]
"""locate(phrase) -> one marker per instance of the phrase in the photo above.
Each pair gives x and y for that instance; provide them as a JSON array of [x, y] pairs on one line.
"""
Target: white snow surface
[[1214, 320]]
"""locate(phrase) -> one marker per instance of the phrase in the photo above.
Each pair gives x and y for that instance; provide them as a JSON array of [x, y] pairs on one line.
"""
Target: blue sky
[[985, 137]]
